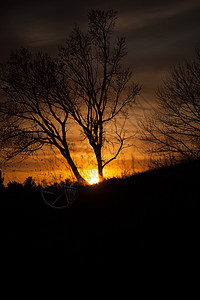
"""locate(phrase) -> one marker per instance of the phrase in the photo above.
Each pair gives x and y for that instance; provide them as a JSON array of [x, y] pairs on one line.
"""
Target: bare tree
[[99, 90], [29, 116], [174, 128], [86, 82]]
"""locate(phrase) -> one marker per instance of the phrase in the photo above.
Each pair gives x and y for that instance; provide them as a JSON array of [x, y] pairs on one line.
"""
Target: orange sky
[[51, 167]]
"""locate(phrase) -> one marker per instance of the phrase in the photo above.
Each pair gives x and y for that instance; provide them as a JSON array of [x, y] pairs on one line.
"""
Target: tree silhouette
[[174, 128], [85, 82], [98, 88], [30, 117]]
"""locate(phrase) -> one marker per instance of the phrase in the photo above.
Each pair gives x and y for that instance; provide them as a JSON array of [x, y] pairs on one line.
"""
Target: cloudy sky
[[158, 33]]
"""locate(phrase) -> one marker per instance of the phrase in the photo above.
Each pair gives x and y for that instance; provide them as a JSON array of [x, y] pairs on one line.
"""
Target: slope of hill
[[143, 218]]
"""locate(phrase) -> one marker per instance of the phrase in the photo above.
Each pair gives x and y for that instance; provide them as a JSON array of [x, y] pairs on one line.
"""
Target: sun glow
[[92, 176], [93, 180]]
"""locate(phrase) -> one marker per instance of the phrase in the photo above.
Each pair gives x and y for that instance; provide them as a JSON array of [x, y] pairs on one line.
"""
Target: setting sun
[[92, 176], [93, 180]]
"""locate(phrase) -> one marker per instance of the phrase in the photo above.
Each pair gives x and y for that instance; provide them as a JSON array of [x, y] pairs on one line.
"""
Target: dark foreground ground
[[149, 218]]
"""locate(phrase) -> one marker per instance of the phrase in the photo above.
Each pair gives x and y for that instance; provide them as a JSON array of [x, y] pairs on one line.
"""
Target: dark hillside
[[120, 222]]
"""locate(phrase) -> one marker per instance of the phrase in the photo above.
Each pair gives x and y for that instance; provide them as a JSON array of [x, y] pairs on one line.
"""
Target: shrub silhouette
[[14, 186], [29, 184]]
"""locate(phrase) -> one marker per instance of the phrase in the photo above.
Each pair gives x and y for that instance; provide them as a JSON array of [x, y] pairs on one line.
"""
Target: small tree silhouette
[[174, 128]]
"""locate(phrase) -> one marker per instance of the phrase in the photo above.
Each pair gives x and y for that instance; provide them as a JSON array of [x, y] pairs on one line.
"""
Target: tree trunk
[[99, 162], [70, 161]]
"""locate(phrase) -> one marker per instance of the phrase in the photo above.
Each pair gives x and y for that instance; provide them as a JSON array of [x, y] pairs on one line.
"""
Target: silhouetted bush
[[29, 184], [15, 187]]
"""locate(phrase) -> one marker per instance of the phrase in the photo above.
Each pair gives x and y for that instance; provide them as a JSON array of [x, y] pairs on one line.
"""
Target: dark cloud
[[158, 32]]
